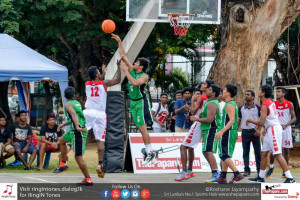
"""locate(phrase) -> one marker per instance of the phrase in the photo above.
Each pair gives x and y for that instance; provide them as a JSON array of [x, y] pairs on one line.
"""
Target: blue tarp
[[23, 63]]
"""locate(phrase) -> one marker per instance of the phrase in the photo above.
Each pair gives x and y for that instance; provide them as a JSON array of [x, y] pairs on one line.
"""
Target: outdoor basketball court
[[120, 178]]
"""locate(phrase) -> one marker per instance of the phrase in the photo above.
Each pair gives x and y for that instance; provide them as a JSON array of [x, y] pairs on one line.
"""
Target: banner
[[169, 161]]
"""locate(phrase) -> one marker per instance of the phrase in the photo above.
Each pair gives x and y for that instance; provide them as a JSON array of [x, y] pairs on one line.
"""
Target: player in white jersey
[[286, 116], [193, 137], [95, 105], [273, 136]]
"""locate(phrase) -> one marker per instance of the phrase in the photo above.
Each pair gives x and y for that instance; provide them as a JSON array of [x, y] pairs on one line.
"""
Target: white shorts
[[159, 130], [287, 138], [193, 137], [96, 120], [272, 140]]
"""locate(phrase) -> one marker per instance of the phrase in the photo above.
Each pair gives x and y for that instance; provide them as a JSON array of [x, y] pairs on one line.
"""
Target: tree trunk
[[248, 34]]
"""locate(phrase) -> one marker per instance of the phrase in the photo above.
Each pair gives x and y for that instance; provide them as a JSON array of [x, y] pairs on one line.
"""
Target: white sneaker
[[147, 158], [155, 156]]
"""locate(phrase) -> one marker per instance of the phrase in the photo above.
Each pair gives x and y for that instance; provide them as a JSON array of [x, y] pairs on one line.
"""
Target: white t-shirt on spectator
[[161, 115]]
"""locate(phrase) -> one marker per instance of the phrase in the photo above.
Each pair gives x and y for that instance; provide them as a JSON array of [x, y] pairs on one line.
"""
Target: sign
[[169, 161]]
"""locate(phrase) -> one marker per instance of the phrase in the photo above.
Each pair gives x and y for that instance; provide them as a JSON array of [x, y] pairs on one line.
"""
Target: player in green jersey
[[77, 136], [227, 136], [139, 105]]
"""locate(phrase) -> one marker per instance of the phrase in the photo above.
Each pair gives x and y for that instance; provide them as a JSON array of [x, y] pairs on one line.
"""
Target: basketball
[[108, 26]]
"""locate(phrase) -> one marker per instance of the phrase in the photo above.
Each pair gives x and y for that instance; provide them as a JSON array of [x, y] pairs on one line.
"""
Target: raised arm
[[122, 51], [104, 69], [115, 81], [135, 82]]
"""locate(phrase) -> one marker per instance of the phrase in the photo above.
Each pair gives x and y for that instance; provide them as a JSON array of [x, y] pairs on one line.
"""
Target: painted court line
[[41, 180]]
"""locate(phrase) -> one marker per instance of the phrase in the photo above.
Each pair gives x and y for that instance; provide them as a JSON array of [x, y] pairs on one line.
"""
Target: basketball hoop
[[181, 23]]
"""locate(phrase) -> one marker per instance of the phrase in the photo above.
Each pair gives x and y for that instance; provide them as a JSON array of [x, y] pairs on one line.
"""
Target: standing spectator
[[160, 113], [49, 138], [21, 131], [249, 110], [5, 142], [182, 108], [179, 95]]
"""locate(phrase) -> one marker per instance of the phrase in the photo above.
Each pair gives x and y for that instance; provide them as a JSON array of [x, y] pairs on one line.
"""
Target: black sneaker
[[60, 169], [85, 183], [154, 156], [27, 168], [246, 174], [289, 180], [257, 180]]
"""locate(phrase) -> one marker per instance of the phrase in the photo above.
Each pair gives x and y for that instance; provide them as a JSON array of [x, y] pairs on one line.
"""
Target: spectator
[[21, 131], [49, 138], [16, 162], [179, 95], [182, 108], [160, 113], [249, 110], [5, 142]]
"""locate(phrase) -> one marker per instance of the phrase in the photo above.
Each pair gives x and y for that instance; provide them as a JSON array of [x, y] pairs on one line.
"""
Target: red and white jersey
[[283, 110], [96, 95], [200, 110], [272, 117]]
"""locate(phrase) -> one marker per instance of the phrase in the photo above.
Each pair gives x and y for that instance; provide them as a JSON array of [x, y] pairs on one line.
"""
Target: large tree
[[249, 31]]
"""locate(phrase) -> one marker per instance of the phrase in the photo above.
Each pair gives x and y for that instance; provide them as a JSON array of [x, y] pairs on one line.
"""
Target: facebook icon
[[105, 194]]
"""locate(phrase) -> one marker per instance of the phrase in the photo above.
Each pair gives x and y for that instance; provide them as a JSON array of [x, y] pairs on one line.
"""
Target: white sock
[[148, 148], [271, 165], [262, 173], [288, 174]]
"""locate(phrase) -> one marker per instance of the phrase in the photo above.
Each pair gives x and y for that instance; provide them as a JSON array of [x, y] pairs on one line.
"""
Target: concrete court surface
[[120, 178]]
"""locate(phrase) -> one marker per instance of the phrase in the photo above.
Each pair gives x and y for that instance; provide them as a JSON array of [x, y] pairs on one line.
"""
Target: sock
[[148, 148], [262, 173], [288, 174], [62, 163], [271, 165], [190, 168], [223, 174], [215, 170], [100, 163], [184, 169], [236, 173]]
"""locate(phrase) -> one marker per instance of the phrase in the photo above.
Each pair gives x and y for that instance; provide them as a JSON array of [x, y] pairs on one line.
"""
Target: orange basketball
[[108, 26]]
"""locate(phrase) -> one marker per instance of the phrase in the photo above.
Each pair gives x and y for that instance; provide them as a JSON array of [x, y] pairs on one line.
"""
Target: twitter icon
[[125, 194]]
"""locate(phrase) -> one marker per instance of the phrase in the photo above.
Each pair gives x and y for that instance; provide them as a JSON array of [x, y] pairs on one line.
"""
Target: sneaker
[[191, 173], [269, 172], [27, 168], [182, 176], [148, 158], [246, 174], [221, 180], [283, 175], [237, 178], [85, 182], [257, 180], [155, 156], [188, 176], [289, 180], [100, 171], [213, 178], [15, 163], [60, 169]]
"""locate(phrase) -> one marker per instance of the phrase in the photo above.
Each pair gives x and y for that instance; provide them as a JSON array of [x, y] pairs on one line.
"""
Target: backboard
[[206, 11]]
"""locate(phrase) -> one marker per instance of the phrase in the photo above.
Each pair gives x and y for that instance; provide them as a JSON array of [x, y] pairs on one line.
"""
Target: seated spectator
[[16, 162], [21, 131], [160, 113], [49, 138], [5, 142]]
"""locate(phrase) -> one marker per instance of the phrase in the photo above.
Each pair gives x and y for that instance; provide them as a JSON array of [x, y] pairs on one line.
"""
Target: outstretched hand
[[104, 69], [117, 38], [119, 61], [124, 66]]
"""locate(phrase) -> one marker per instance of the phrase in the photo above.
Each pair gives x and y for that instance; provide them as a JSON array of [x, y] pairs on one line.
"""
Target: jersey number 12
[[95, 92]]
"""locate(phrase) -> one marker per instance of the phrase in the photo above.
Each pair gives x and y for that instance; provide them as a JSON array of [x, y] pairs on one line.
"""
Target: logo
[[8, 191], [125, 194], [115, 194], [105, 194], [271, 187], [135, 193], [145, 194]]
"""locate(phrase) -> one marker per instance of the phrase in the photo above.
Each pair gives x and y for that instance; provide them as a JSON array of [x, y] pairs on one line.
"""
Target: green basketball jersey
[[225, 117], [81, 120], [136, 92], [217, 122]]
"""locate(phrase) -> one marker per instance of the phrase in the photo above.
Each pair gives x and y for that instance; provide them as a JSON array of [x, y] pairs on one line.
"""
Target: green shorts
[[227, 143], [78, 140], [141, 112], [209, 142]]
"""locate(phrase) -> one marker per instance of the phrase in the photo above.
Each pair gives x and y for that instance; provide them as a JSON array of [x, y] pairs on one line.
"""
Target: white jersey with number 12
[[96, 95]]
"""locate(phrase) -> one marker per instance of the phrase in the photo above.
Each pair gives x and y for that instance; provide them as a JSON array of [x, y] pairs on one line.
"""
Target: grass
[[90, 157]]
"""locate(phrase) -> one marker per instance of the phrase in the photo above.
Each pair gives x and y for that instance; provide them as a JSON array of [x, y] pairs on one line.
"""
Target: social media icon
[[115, 194], [145, 194], [135, 193], [105, 194], [125, 194]]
